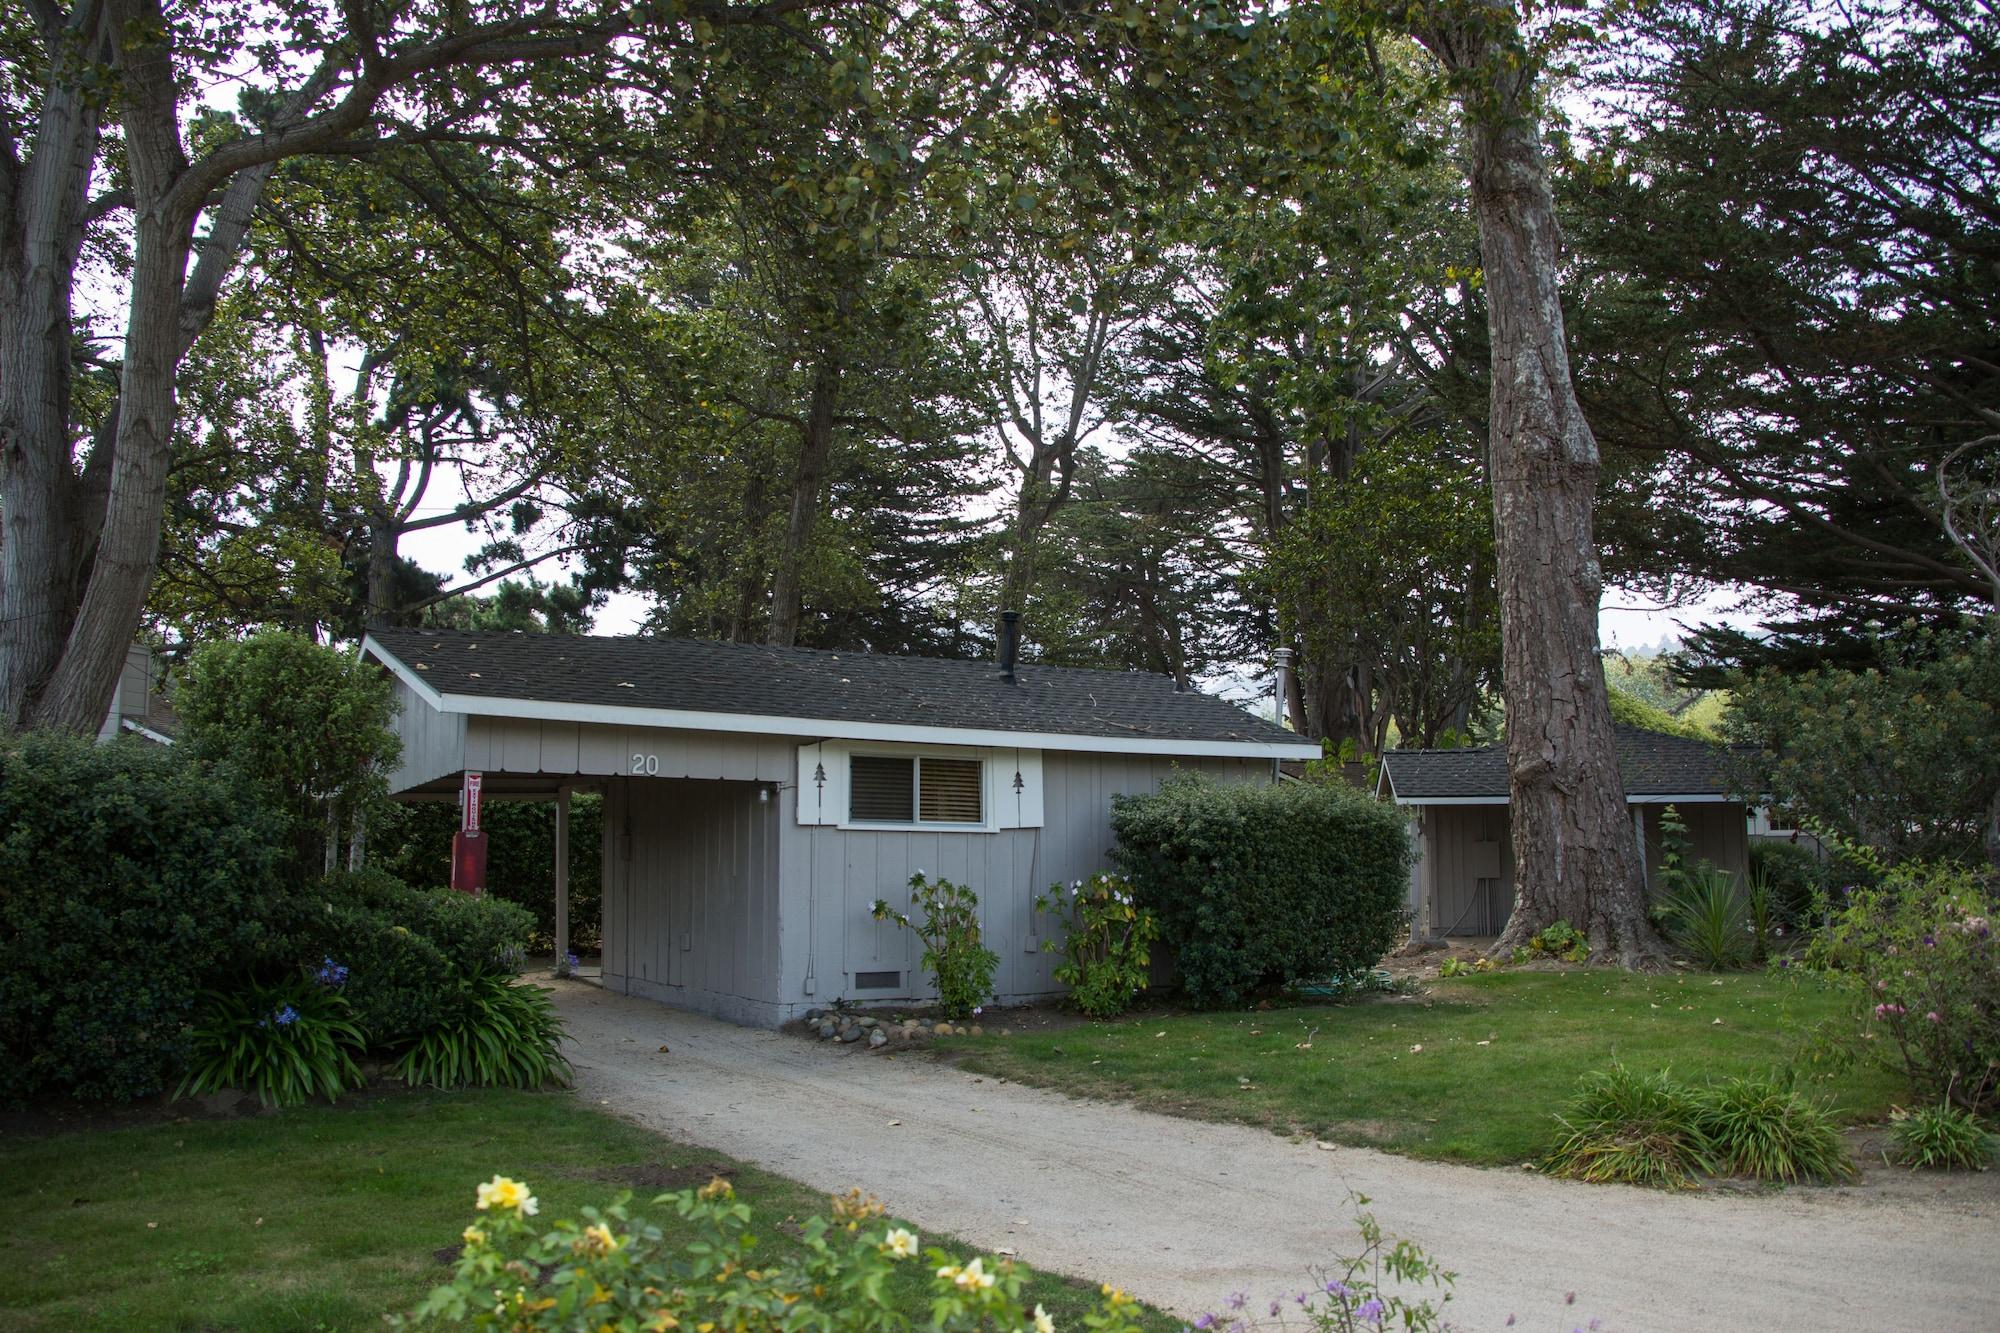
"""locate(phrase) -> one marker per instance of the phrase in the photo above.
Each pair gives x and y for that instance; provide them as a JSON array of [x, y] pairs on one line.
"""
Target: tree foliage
[[1899, 756]]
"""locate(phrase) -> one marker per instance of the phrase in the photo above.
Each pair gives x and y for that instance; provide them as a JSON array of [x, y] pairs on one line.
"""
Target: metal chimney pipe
[[1281, 684], [1010, 643]]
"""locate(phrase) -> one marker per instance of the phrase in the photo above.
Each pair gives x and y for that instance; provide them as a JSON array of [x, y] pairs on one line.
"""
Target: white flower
[[900, 1243], [1043, 1323], [972, 1277]]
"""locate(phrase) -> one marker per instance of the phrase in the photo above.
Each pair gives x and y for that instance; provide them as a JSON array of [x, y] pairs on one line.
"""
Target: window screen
[[948, 792], [882, 789]]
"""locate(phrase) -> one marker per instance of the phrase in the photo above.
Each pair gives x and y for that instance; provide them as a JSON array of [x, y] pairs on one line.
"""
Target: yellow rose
[[501, 1194]]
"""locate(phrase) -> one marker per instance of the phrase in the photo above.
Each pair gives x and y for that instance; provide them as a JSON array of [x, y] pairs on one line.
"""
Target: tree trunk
[[808, 481], [1574, 854], [44, 213]]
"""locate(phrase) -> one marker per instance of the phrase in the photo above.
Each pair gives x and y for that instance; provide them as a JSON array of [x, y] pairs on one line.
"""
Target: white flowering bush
[[612, 1270], [1107, 945], [945, 916]]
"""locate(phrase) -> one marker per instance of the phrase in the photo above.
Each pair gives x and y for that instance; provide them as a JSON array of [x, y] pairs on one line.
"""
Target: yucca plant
[[1765, 1129], [506, 1035], [1707, 916], [287, 1043], [1631, 1128], [1943, 1138]]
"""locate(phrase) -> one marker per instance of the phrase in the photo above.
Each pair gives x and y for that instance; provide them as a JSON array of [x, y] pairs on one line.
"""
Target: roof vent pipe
[[1010, 643], [1281, 683]]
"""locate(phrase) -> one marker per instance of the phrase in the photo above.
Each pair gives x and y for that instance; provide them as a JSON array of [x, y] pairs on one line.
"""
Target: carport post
[[562, 879]]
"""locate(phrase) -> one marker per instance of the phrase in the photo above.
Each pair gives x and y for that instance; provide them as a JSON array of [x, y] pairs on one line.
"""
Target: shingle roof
[[1652, 763], [751, 680]]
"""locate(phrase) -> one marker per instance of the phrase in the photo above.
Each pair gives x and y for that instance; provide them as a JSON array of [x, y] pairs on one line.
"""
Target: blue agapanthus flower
[[331, 974], [287, 1016]]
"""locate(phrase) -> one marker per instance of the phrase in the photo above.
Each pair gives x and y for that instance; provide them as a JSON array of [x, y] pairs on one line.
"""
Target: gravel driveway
[[1182, 1212]]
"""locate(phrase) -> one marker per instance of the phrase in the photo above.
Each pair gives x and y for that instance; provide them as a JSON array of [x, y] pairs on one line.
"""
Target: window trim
[[987, 813]]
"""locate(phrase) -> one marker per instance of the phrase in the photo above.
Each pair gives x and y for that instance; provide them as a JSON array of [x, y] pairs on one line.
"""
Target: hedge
[[132, 877], [1263, 885], [402, 946]]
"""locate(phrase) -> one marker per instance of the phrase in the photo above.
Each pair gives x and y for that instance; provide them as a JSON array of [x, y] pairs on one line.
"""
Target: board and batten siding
[[433, 742], [832, 875], [1465, 844], [691, 895]]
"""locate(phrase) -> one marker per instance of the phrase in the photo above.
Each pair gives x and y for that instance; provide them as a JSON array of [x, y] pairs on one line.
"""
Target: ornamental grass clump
[[287, 1043], [1632, 1128], [1941, 1138], [945, 916], [504, 1035], [614, 1269], [1107, 950], [1766, 1130]]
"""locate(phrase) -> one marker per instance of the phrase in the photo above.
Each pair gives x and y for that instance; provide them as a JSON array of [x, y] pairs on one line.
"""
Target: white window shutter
[[822, 783], [1015, 805]]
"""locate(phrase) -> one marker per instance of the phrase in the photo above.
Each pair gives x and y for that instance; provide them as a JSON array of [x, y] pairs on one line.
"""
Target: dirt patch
[[664, 1177]]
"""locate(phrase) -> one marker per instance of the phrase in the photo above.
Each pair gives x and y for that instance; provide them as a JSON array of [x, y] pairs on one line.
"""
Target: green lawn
[[326, 1217], [1499, 1054]]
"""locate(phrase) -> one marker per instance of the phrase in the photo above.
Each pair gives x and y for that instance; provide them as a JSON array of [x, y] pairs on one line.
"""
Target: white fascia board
[[1693, 798], [892, 733], [1709, 798], [370, 648], [157, 738]]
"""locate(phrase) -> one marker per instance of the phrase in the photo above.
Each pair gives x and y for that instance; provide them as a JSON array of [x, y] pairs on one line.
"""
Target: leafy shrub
[[1455, 967], [406, 947], [310, 724], [1559, 939], [1917, 956], [1107, 950], [1761, 1128], [615, 1270], [502, 1035], [1648, 1129], [413, 843], [1263, 885], [1942, 1137], [132, 878], [1631, 1128], [1795, 876], [288, 1042], [948, 924]]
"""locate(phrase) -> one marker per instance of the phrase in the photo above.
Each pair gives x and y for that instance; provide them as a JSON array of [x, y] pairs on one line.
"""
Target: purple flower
[[1932, 1017], [287, 1016], [331, 974], [1237, 1300], [1276, 1309], [1206, 1321], [1302, 1298], [1371, 1310], [1335, 1287]]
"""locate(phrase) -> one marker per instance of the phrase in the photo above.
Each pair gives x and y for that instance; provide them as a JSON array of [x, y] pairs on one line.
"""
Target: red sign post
[[468, 845]]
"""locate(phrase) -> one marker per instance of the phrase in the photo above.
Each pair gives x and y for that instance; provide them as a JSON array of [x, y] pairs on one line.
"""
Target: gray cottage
[[758, 799], [1463, 879]]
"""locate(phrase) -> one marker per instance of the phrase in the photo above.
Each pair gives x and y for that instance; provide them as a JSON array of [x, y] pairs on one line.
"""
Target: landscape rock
[[850, 1034], [942, 1029], [878, 1038]]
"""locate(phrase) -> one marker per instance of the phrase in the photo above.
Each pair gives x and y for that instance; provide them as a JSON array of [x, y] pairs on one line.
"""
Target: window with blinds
[[881, 789], [885, 789], [948, 792]]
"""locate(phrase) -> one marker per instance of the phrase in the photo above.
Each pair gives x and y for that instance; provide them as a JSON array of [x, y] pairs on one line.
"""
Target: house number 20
[[646, 765]]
